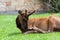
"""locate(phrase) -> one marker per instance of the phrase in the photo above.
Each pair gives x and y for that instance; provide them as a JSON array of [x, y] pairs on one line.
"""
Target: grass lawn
[[9, 31]]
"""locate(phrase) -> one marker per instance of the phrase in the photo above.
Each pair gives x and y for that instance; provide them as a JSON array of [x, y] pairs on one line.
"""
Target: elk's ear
[[19, 11], [31, 13]]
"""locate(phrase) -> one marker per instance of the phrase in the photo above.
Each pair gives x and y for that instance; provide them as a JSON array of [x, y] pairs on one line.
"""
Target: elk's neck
[[25, 23]]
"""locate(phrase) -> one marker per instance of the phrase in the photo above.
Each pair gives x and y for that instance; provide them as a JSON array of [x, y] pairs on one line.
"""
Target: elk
[[22, 22], [54, 23]]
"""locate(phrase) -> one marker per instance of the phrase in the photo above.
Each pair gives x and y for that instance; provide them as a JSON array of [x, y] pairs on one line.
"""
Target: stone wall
[[9, 5]]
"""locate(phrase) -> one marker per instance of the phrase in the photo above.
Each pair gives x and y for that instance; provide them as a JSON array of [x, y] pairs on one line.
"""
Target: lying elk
[[54, 23], [23, 23]]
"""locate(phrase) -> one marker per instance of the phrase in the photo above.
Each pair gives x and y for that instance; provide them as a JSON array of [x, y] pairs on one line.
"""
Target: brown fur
[[40, 23]]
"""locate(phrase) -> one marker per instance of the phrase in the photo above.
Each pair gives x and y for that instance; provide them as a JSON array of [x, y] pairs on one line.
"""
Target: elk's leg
[[50, 29], [40, 30], [32, 31], [51, 26], [35, 29]]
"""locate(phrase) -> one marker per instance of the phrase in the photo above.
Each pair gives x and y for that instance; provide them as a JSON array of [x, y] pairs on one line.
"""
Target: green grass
[[9, 31]]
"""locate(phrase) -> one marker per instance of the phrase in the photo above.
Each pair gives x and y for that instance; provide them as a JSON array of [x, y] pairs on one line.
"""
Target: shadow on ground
[[16, 33], [19, 33]]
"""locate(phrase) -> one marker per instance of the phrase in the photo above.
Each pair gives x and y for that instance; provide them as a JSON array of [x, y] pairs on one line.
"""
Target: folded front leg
[[39, 30]]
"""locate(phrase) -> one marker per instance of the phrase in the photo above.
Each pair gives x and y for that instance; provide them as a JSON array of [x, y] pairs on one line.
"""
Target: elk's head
[[24, 16]]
